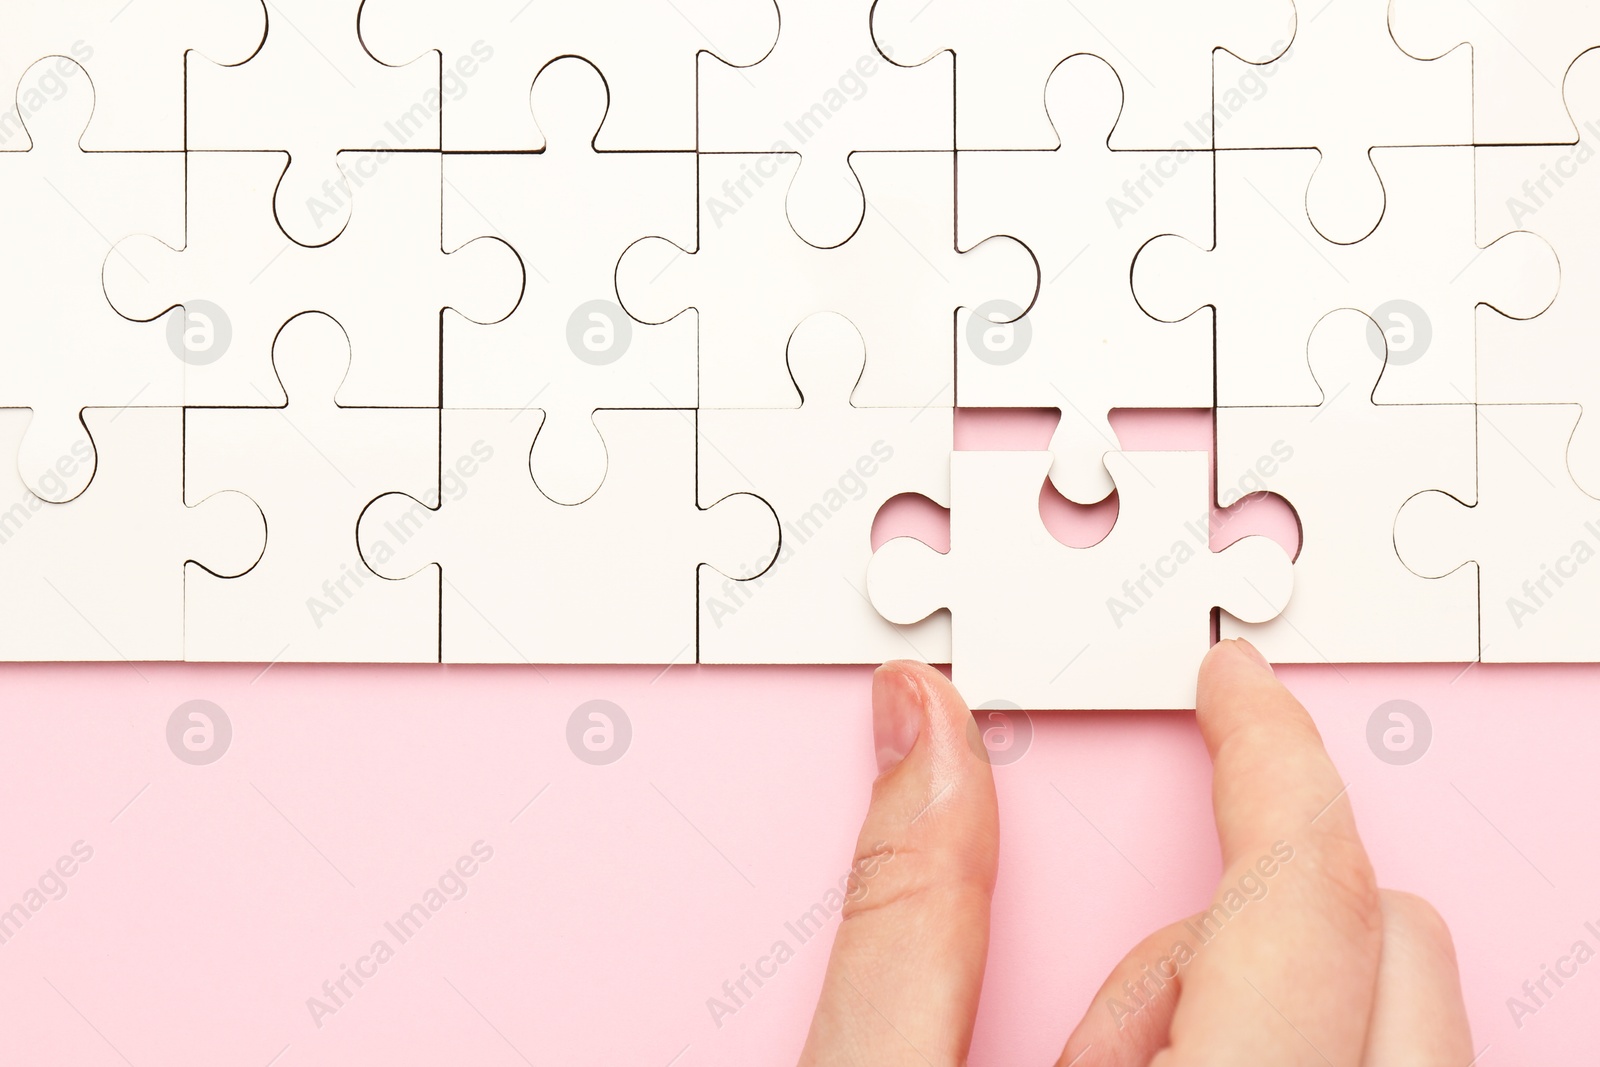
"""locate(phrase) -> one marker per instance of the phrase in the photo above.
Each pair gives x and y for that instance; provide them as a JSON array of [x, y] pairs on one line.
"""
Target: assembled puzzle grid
[[505, 331]]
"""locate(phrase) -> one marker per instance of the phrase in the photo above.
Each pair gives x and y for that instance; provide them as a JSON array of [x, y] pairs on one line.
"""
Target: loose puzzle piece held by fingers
[[1038, 625]]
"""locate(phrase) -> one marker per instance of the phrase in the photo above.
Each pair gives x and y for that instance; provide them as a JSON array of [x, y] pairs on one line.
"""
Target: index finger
[[1285, 962]]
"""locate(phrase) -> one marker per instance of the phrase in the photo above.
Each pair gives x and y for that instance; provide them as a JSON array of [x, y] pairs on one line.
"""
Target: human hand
[[1299, 960]]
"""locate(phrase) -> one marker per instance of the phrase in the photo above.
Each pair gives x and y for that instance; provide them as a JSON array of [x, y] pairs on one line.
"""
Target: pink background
[[219, 898]]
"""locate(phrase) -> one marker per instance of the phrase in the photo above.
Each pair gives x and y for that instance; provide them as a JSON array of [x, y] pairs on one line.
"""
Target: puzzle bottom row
[[477, 566], [311, 532]]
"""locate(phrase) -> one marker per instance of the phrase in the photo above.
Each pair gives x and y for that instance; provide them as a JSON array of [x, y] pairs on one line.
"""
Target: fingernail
[[1252, 651], [896, 716]]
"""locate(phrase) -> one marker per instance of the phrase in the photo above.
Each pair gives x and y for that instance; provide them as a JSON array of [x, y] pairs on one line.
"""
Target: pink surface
[[619, 898]]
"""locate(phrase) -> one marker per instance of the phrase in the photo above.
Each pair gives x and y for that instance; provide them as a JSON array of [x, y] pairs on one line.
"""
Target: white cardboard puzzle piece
[[1085, 347], [826, 467], [825, 92], [752, 280], [1037, 625], [1553, 191], [103, 576], [526, 580], [1521, 56], [1344, 88], [312, 467], [1005, 51], [135, 54], [237, 260], [491, 51], [66, 348], [1421, 274], [1347, 465], [570, 348], [1532, 538], [313, 91]]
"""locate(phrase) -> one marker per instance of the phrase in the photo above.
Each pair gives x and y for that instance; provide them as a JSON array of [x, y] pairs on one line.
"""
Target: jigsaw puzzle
[[533, 332]]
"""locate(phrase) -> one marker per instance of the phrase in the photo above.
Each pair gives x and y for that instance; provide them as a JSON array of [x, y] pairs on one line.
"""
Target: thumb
[[907, 965]]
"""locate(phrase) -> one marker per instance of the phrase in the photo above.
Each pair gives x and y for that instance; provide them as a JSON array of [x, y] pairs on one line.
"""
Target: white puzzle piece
[[1533, 536], [752, 280], [825, 92], [1085, 347], [1521, 53], [1005, 51], [65, 348], [239, 262], [491, 50], [1272, 277], [1555, 192], [826, 467], [311, 467], [525, 580], [1119, 626], [1346, 466], [103, 576], [313, 91], [569, 348], [1344, 87], [133, 51]]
